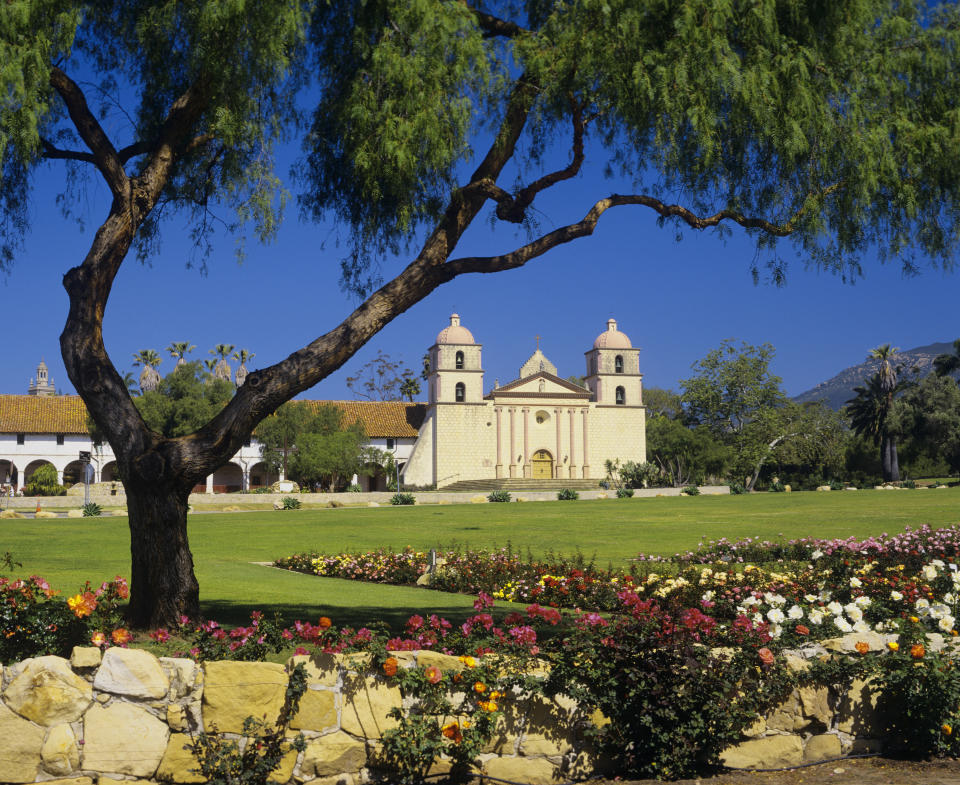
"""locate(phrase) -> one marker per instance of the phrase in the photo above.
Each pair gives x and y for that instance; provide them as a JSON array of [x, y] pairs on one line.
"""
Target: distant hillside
[[838, 390]]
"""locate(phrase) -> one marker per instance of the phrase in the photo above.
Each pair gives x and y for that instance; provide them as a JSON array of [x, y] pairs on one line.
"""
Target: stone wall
[[125, 716]]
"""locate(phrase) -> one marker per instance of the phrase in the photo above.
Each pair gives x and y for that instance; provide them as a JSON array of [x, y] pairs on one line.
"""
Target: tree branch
[[52, 152], [105, 156], [492, 26]]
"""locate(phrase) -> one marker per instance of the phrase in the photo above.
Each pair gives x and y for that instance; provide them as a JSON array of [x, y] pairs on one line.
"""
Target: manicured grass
[[68, 552]]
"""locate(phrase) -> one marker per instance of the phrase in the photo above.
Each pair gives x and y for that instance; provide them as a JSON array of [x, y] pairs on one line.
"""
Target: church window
[[621, 396], [390, 443], [60, 439], [460, 392], [459, 361], [542, 417], [618, 364], [21, 438]]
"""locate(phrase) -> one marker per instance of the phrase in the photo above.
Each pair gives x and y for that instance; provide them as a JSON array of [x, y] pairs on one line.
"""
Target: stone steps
[[522, 484]]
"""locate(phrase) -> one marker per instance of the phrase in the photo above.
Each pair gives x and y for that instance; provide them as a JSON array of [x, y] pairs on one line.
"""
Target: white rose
[[938, 564], [842, 624], [896, 596], [815, 617], [811, 597], [707, 596], [922, 604], [861, 627], [862, 602], [775, 615], [835, 608], [947, 623], [949, 598], [796, 612], [854, 612], [929, 572], [856, 583], [816, 554]]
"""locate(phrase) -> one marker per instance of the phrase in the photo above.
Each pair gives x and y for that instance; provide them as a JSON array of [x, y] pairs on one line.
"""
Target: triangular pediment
[[540, 384]]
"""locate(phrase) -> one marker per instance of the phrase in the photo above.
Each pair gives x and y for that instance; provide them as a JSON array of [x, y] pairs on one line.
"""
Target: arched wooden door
[[542, 465]]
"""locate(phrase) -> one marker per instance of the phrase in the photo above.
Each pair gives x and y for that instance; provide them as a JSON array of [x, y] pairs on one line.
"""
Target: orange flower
[[433, 674], [862, 646], [893, 646], [917, 651], [802, 629], [479, 687], [765, 655], [83, 604], [947, 729], [323, 623], [390, 666], [914, 619], [487, 705], [121, 636], [495, 695], [98, 639], [469, 661], [452, 731]]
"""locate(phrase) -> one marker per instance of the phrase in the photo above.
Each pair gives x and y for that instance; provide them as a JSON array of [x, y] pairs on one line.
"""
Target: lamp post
[[85, 463]]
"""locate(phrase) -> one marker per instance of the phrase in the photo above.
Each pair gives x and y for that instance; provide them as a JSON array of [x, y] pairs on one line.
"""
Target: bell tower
[[456, 374], [613, 369]]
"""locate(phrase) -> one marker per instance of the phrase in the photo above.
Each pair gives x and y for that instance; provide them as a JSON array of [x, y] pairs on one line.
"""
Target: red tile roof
[[67, 414]]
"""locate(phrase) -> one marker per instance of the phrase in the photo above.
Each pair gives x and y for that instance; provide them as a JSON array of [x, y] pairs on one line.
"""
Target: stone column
[[209, 483], [558, 462], [513, 441], [527, 468], [573, 465], [499, 468], [586, 448]]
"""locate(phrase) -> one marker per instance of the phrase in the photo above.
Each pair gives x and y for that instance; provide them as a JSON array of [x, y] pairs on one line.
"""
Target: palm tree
[[243, 356], [210, 364], [149, 376], [222, 369], [946, 364], [179, 350], [870, 409]]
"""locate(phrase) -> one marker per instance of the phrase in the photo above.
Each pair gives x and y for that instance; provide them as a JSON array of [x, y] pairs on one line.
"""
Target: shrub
[[403, 498], [354, 488], [568, 495], [43, 482], [836, 485], [777, 487], [908, 484], [261, 490], [736, 488], [624, 493], [289, 503], [35, 621], [92, 510], [499, 496], [691, 490]]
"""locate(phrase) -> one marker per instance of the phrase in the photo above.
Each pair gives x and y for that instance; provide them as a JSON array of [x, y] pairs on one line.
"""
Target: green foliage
[[92, 510], [624, 493], [737, 488], [354, 488], [221, 760], [681, 454], [777, 487], [640, 475], [44, 482], [568, 495], [691, 490], [290, 503], [35, 621], [383, 379], [836, 485], [403, 498], [185, 399], [927, 418], [499, 496]]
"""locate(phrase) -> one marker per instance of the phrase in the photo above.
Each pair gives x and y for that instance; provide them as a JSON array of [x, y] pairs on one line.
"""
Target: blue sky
[[675, 299]]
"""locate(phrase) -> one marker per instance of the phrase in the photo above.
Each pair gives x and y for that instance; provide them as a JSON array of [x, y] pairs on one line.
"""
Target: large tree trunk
[[162, 579], [889, 459]]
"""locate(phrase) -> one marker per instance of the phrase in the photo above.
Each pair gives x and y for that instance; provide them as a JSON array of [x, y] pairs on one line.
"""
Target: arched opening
[[110, 472], [458, 361], [73, 473], [618, 364], [621, 396], [542, 465], [460, 392], [31, 468], [8, 475], [228, 479], [262, 476]]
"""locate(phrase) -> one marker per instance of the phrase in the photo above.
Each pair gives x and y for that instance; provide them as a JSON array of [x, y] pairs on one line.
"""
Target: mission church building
[[539, 426]]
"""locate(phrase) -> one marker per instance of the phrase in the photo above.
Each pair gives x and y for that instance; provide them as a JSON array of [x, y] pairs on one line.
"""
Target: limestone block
[[20, 743], [821, 748], [133, 672], [334, 754], [847, 644], [479, 499], [823, 488], [318, 711], [373, 504], [44, 514], [284, 771], [815, 702], [176, 717], [48, 692], [796, 664], [82, 781], [366, 704], [74, 513], [545, 744], [10, 514], [59, 752], [857, 711], [336, 779], [445, 662], [770, 752], [788, 716], [123, 738], [534, 771], [85, 657], [321, 668], [184, 675], [758, 728], [178, 760], [233, 691]]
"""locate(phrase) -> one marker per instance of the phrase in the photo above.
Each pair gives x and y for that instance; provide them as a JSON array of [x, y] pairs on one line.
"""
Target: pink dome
[[455, 333], [612, 338]]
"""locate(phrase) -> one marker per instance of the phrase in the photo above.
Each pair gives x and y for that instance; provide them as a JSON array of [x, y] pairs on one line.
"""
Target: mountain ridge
[[838, 389]]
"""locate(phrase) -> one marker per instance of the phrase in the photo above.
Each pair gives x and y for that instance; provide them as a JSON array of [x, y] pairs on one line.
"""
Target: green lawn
[[68, 552]]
